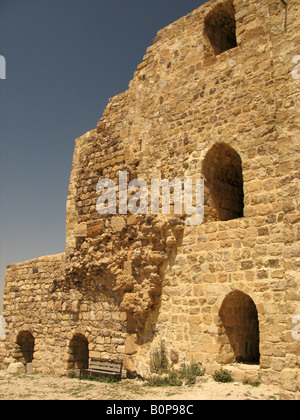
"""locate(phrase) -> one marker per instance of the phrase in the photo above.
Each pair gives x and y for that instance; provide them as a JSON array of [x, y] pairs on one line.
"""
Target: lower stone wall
[[57, 318], [230, 292], [228, 279]]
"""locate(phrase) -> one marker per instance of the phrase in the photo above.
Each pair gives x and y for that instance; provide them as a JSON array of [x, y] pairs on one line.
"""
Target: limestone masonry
[[217, 97]]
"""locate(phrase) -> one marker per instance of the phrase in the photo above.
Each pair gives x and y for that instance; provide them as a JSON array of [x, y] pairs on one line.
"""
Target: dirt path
[[45, 387]]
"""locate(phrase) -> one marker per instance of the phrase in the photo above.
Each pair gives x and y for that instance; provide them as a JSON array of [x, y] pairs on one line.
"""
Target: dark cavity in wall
[[220, 27]]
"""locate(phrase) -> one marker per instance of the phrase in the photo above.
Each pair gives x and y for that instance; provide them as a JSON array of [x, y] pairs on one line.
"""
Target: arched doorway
[[79, 352], [238, 329], [222, 169], [25, 340]]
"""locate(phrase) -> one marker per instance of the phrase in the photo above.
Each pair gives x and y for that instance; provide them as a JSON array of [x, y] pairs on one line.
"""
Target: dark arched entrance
[[239, 329], [79, 352], [25, 340]]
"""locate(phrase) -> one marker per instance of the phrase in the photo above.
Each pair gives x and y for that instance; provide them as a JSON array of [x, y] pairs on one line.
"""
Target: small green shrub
[[156, 380], [159, 365], [170, 379], [174, 378], [190, 372], [223, 376], [186, 375], [255, 384], [159, 360]]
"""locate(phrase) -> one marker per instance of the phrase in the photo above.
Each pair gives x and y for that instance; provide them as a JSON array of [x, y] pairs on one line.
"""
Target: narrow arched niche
[[238, 329], [222, 169]]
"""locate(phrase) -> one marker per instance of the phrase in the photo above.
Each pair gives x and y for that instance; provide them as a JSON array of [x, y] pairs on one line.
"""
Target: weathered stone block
[[16, 368]]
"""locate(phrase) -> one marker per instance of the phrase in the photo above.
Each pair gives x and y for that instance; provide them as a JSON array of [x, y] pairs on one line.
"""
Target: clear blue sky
[[64, 60]]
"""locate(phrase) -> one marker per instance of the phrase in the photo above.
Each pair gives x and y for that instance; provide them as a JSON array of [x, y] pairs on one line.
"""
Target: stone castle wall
[[213, 99]]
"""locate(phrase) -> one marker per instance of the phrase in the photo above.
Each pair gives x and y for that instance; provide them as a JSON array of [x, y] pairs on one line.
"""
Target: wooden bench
[[98, 367]]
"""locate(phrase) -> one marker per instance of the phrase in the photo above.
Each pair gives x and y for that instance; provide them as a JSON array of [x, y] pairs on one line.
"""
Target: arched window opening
[[220, 27], [25, 340], [239, 329], [222, 169], [79, 352]]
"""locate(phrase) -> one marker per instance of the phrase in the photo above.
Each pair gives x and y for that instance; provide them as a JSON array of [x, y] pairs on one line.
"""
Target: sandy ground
[[45, 387]]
